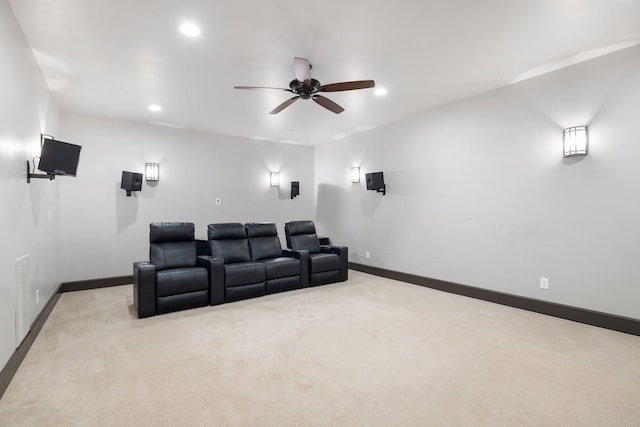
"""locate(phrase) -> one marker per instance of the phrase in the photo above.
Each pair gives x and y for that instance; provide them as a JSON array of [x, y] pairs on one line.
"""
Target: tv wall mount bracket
[[30, 175]]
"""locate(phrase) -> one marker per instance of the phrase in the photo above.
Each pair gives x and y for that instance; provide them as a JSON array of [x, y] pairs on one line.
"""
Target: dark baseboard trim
[[83, 285], [594, 318], [10, 369]]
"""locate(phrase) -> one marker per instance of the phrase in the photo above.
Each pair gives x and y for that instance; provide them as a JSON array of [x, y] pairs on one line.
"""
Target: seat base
[[325, 277], [182, 301], [283, 284], [237, 293]]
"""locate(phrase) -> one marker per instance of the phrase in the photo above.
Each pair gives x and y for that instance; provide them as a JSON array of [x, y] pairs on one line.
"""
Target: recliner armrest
[[333, 249], [216, 288], [144, 288], [216, 278], [303, 256], [343, 253]]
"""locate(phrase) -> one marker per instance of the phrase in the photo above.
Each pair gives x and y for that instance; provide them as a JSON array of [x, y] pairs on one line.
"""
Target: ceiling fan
[[305, 87]]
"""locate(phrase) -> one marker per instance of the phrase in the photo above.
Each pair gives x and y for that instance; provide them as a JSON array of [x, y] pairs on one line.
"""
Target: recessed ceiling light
[[381, 91], [190, 29], [155, 108]]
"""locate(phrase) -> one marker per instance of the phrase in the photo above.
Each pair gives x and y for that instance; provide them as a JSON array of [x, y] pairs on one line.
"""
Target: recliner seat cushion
[[181, 280], [243, 273], [324, 262], [282, 267]]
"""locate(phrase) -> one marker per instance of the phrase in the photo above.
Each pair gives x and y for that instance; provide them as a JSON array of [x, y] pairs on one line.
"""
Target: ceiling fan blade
[[284, 105], [302, 69], [337, 87], [328, 104], [262, 87]]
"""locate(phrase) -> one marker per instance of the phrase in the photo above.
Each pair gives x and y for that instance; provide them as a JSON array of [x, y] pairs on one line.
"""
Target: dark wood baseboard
[[83, 285], [10, 369], [594, 318]]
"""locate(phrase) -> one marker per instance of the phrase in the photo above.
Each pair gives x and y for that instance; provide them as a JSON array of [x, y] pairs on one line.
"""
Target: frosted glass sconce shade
[[274, 179], [152, 171], [355, 174], [576, 141]]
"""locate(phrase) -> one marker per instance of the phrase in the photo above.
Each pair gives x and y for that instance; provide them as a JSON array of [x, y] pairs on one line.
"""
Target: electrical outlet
[[367, 255], [218, 201], [544, 283]]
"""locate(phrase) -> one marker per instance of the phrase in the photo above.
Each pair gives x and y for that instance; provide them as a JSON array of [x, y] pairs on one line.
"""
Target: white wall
[[26, 110], [478, 192], [103, 232]]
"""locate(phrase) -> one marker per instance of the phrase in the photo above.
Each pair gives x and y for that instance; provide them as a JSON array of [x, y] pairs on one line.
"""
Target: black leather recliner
[[327, 263], [232, 266], [174, 278], [285, 270]]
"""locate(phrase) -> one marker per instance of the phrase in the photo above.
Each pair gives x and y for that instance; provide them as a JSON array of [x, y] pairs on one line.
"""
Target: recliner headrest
[[262, 229], [300, 227], [171, 232], [229, 230]]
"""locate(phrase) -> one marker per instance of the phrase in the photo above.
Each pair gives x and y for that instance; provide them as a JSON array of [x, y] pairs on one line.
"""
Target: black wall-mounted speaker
[[131, 181], [295, 188], [375, 181]]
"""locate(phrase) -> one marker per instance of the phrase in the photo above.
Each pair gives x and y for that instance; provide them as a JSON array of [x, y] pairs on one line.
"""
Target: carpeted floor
[[367, 352]]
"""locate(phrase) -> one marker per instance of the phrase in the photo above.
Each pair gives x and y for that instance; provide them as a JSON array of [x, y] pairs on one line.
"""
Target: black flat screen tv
[[59, 158]]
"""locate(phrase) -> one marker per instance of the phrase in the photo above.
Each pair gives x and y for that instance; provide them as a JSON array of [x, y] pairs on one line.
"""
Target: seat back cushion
[[172, 255], [263, 241], [228, 241], [302, 235], [172, 245]]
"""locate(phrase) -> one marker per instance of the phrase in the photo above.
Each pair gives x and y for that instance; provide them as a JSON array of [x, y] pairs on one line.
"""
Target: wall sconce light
[[355, 174], [151, 171], [576, 141], [275, 179]]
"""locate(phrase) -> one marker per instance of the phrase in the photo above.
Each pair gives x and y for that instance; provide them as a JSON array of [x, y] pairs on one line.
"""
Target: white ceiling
[[113, 58]]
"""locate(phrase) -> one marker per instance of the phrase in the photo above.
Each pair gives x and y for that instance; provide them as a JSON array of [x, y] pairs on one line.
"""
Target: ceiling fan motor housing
[[304, 89]]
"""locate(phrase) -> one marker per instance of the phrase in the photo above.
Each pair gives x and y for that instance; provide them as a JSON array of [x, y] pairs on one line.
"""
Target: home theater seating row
[[237, 262]]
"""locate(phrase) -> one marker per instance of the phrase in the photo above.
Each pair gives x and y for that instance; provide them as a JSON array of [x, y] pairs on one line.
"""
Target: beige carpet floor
[[367, 352]]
